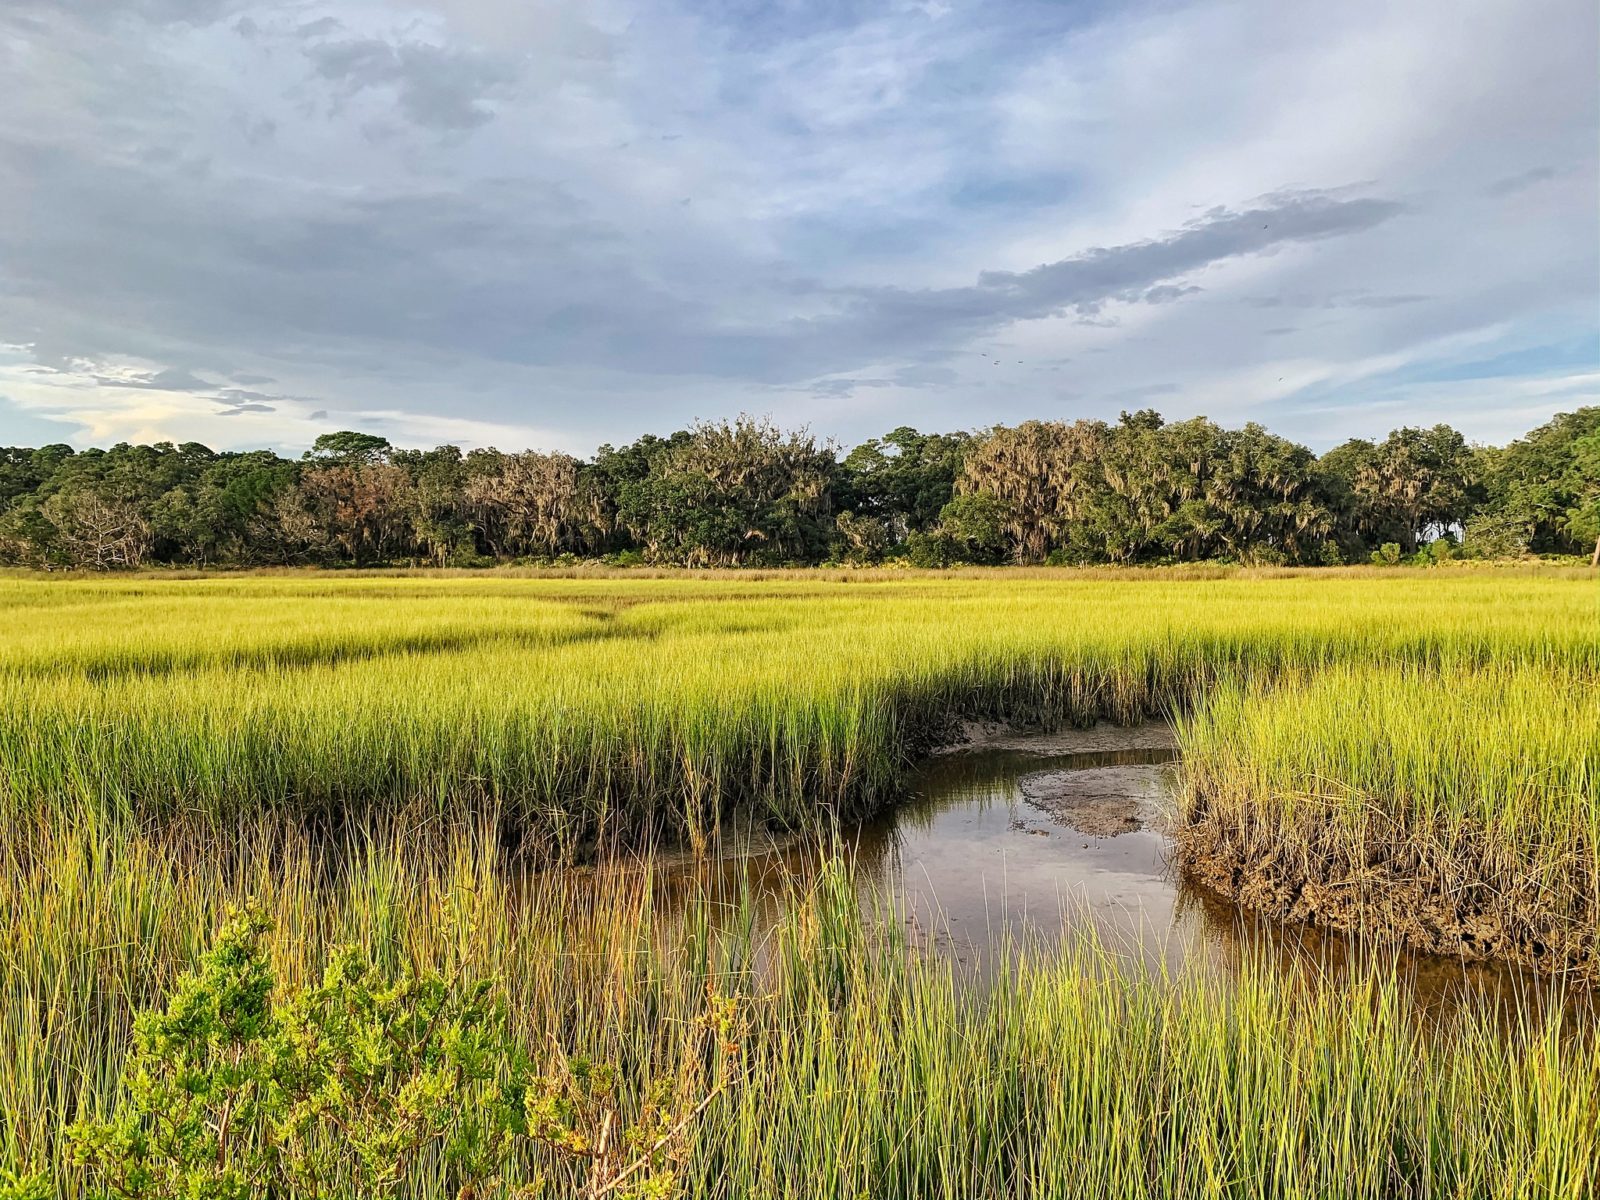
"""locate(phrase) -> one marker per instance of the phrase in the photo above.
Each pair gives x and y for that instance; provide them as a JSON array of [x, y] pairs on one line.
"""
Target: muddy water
[[1020, 839], [1012, 843]]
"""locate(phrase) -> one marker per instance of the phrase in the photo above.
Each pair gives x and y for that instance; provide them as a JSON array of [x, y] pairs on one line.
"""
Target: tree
[[23, 471], [529, 503], [1041, 474], [975, 528], [1545, 484], [362, 508], [97, 530], [350, 449], [1417, 481], [729, 493], [1265, 490], [863, 539], [903, 479], [1353, 520], [744, 492], [440, 518]]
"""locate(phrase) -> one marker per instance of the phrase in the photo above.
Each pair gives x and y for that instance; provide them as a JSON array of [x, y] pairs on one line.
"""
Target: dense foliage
[[243, 1090], [745, 493]]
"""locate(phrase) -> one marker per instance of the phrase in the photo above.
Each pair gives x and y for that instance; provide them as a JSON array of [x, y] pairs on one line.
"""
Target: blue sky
[[540, 223]]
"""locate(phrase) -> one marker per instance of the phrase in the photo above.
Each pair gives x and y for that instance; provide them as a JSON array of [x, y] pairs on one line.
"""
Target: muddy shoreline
[[1397, 891], [1454, 906]]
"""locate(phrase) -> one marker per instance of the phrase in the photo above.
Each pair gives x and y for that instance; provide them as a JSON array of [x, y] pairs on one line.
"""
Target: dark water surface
[[1025, 839]]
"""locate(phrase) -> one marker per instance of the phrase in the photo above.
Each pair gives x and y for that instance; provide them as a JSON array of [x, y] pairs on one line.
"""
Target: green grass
[[869, 1070], [572, 706], [162, 741], [1461, 806]]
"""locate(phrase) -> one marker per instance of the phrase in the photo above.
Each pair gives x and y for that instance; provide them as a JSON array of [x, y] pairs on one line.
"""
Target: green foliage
[[31, 1185], [972, 529], [350, 448], [903, 479], [1441, 550], [346, 1087], [1544, 488], [1496, 535], [863, 540], [746, 493], [733, 493], [330, 1091], [1144, 490]]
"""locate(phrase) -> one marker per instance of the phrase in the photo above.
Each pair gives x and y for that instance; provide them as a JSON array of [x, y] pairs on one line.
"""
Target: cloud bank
[[531, 222]]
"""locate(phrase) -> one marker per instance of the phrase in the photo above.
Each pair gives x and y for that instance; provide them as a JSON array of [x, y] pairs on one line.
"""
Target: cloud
[[169, 379], [1149, 391], [1097, 275], [471, 213], [1512, 184], [1355, 298], [434, 87]]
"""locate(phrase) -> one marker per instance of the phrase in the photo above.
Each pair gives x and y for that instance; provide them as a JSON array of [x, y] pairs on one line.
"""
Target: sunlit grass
[[1460, 806], [870, 1070], [575, 705], [162, 741]]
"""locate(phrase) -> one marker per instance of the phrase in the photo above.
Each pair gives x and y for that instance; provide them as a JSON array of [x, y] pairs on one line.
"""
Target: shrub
[[344, 1087]]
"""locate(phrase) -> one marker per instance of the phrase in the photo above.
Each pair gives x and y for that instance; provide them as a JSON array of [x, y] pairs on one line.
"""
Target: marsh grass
[[583, 710], [365, 753], [1458, 807], [870, 1069]]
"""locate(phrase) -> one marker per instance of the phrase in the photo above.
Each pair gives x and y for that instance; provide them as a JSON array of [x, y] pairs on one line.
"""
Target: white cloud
[[499, 219]]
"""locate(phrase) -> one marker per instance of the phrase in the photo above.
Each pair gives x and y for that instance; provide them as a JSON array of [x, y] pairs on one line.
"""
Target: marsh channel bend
[[1013, 841]]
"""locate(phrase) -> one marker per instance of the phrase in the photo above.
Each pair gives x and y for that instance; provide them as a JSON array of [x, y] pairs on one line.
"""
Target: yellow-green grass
[[1448, 711], [571, 706], [1458, 807], [866, 1069]]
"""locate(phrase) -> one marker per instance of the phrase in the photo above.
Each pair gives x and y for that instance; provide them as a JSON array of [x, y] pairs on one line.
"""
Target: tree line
[[747, 493]]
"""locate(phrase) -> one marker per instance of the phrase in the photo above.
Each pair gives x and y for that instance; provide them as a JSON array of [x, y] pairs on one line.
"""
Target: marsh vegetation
[[474, 776]]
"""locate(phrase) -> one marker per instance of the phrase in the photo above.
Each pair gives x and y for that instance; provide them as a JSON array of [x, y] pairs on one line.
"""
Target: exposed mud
[[1098, 801], [970, 736], [1462, 904]]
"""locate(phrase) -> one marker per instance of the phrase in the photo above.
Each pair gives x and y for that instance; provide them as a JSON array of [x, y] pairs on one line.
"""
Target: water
[[1022, 840]]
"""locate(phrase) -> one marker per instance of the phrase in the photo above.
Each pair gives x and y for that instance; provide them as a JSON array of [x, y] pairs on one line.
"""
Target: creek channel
[[1012, 840]]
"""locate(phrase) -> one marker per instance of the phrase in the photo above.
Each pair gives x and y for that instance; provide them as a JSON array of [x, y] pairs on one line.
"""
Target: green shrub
[[344, 1088]]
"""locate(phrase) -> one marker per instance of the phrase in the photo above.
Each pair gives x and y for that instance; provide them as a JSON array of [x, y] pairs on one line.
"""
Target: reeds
[[164, 742], [579, 710], [1457, 808], [869, 1069]]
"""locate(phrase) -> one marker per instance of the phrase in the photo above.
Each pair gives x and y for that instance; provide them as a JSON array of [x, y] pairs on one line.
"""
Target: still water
[[1017, 840]]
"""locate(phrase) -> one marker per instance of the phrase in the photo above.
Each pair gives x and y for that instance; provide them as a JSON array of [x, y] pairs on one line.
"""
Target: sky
[[553, 223]]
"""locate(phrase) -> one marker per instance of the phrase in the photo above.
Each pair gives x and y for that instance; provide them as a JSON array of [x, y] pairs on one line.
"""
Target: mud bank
[[1445, 899], [1098, 801], [969, 736]]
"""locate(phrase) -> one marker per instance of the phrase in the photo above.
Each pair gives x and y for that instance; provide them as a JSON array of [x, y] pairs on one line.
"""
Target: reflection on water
[[1025, 840]]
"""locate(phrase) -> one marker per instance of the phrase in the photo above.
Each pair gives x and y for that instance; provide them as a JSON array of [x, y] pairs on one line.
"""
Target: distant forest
[[747, 493]]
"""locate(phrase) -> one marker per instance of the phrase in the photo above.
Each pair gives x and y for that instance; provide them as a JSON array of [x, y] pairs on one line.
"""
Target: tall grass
[[1460, 807], [868, 1069], [162, 743], [577, 709]]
